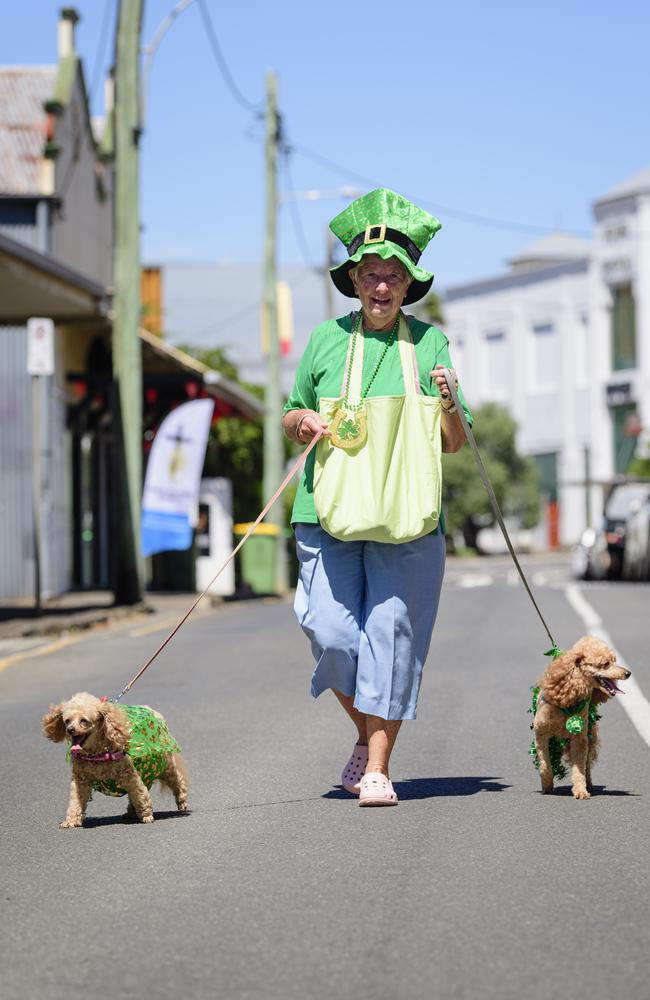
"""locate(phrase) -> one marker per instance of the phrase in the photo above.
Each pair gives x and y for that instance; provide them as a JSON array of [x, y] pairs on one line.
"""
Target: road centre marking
[[50, 647], [166, 623], [634, 701], [35, 650], [469, 580], [134, 633]]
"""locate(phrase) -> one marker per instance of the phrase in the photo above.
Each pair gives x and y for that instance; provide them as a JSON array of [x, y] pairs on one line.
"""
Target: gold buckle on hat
[[375, 234]]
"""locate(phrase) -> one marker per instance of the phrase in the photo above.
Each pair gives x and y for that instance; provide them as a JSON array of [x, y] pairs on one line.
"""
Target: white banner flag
[[171, 488]]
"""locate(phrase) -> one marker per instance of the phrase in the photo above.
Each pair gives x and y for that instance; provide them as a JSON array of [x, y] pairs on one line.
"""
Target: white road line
[[475, 580], [634, 701], [513, 578], [50, 647]]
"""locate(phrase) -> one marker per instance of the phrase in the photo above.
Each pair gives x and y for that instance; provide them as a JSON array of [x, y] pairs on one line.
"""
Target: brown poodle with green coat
[[117, 750], [565, 709]]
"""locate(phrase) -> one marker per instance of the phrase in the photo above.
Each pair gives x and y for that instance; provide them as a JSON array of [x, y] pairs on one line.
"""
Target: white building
[[563, 342]]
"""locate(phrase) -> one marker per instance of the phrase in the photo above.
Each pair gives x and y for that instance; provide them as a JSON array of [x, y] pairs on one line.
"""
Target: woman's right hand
[[308, 424]]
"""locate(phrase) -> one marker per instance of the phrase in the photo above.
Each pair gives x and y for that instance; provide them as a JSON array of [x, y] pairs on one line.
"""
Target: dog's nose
[[628, 673], [70, 729]]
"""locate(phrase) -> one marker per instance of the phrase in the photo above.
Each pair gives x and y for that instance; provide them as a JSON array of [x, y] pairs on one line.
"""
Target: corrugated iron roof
[[23, 91]]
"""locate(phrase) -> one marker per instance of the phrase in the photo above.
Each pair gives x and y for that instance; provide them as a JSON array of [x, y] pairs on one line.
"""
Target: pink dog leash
[[283, 485]]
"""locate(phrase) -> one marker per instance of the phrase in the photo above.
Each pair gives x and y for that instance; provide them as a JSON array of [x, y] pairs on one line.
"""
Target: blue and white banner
[[171, 487]]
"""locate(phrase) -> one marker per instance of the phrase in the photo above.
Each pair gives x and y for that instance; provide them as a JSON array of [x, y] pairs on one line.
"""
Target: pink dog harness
[[97, 758]]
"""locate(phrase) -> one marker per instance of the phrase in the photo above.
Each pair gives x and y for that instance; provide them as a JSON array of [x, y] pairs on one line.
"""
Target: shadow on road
[[597, 791], [91, 821], [428, 788]]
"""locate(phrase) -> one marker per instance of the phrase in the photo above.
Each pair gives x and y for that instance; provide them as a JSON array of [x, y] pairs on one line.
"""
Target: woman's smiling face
[[381, 286]]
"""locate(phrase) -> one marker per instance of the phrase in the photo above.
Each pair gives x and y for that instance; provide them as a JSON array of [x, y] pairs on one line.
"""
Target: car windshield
[[618, 505]]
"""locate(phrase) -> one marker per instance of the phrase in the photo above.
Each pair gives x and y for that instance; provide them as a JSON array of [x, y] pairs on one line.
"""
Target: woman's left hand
[[441, 381]]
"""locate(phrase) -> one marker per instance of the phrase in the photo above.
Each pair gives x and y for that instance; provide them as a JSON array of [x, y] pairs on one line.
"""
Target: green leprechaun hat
[[384, 223]]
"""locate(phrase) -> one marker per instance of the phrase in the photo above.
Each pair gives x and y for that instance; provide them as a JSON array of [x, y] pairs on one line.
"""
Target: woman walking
[[367, 515]]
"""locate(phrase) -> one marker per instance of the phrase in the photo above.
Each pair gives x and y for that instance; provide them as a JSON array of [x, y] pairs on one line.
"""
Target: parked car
[[600, 553], [636, 555], [590, 558]]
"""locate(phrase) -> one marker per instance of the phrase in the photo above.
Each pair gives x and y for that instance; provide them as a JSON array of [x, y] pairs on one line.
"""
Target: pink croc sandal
[[377, 790], [353, 770]]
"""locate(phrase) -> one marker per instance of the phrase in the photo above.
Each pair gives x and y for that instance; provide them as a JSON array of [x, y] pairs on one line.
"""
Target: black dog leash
[[450, 377]]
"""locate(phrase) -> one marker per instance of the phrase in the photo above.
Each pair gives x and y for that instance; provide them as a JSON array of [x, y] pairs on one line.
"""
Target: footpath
[[72, 616]]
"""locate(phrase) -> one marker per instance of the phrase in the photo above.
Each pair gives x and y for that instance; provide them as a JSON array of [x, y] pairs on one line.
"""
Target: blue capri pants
[[369, 609]]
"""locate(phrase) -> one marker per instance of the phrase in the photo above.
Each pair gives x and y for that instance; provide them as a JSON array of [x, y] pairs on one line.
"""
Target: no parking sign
[[40, 346]]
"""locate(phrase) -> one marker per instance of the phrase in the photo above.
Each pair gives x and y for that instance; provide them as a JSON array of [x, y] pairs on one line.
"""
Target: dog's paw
[[147, 819], [70, 824], [580, 793]]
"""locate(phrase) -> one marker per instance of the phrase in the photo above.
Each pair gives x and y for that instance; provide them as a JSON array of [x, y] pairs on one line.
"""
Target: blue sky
[[522, 113]]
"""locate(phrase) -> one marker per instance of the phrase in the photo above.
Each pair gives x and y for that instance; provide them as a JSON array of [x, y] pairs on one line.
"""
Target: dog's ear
[[565, 682], [53, 725], [116, 725]]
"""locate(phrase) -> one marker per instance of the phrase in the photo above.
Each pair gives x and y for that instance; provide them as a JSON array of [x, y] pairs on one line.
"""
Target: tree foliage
[[430, 309], [639, 467], [514, 478], [215, 358]]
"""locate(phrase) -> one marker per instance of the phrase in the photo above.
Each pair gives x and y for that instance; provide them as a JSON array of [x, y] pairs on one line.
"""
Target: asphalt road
[[277, 885]]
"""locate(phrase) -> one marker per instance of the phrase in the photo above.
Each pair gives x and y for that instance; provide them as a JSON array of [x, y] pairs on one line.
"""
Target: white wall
[[523, 345]]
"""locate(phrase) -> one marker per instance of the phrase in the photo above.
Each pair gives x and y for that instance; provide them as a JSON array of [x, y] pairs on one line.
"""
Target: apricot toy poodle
[[117, 750], [565, 706]]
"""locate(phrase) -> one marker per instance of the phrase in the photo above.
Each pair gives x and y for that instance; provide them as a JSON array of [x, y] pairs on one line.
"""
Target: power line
[[101, 47], [294, 213], [222, 64], [247, 310], [471, 217]]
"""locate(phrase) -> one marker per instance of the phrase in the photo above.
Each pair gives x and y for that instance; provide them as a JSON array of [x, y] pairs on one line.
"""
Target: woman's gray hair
[[409, 277]]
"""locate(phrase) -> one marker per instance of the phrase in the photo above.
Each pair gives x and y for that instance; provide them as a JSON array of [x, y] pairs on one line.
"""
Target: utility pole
[[273, 437], [127, 359]]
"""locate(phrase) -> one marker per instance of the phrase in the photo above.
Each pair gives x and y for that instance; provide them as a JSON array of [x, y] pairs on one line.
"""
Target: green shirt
[[320, 375]]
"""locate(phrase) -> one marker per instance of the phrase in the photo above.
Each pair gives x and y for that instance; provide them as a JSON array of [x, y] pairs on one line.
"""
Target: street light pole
[[273, 438]]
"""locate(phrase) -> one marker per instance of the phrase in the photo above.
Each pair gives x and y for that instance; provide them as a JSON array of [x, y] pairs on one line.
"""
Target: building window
[[546, 356], [623, 329], [625, 431], [547, 467], [581, 351], [497, 365]]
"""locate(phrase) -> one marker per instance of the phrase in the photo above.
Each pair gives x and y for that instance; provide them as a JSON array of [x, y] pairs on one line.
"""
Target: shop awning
[[171, 358], [34, 284]]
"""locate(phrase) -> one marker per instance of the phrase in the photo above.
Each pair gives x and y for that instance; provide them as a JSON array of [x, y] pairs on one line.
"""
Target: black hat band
[[384, 233]]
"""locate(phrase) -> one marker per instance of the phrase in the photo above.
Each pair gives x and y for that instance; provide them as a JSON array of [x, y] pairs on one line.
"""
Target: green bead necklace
[[353, 407], [348, 426]]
